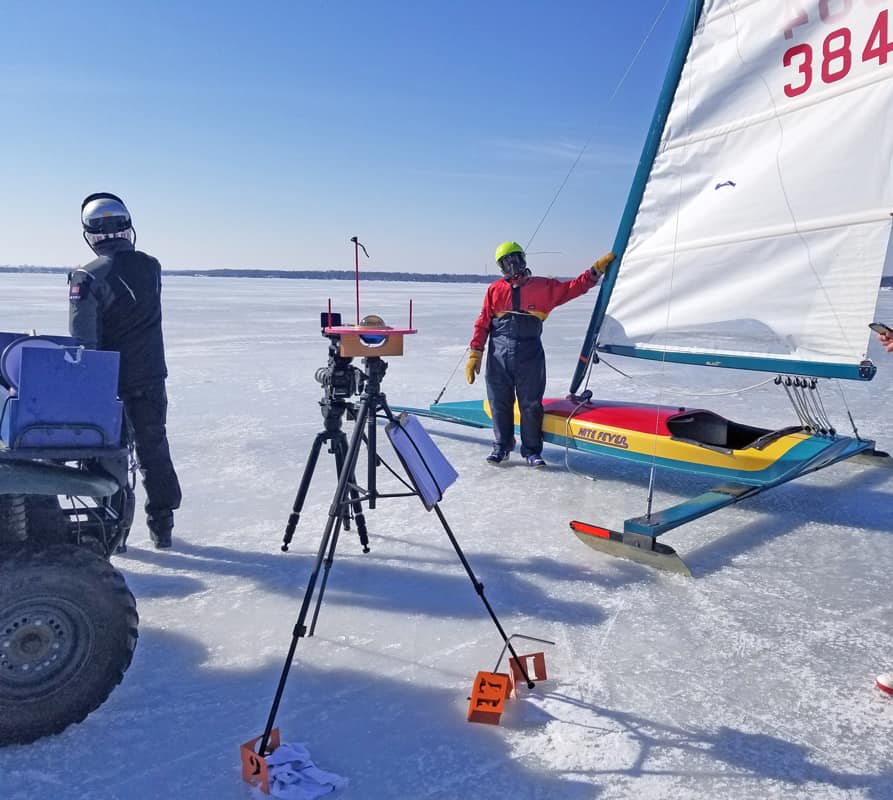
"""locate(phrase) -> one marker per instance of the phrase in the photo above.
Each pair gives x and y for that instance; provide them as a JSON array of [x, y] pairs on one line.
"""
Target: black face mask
[[513, 265]]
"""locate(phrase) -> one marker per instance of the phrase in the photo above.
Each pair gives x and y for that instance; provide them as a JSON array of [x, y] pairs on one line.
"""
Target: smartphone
[[879, 327]]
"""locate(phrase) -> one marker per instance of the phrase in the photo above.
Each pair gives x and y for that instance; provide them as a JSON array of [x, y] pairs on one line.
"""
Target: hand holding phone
[[879, 327]]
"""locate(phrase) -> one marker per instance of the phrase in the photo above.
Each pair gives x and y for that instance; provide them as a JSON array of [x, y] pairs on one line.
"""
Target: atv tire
[[68, 629], [13, 520], [47, 523]]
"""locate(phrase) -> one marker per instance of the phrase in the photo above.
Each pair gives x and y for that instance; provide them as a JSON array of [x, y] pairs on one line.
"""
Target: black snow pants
[[146, 411], [516, 366]]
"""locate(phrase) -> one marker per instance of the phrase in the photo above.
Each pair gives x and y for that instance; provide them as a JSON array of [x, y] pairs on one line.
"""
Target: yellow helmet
[[508, 247], [511, 259]]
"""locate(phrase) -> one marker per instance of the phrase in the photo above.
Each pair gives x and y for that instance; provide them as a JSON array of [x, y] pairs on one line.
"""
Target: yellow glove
[[473, 367], [601, 265]]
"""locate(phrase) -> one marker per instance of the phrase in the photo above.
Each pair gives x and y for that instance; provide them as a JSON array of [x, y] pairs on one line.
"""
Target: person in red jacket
[[512, 317]]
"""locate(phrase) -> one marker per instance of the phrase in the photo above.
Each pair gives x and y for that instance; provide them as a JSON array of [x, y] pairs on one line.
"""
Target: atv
[[68, 622]]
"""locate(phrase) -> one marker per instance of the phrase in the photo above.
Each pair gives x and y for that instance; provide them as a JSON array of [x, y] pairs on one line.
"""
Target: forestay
[[765, 220]]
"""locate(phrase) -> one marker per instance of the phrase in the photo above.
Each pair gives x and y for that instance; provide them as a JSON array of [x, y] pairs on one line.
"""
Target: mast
[[637, 190]]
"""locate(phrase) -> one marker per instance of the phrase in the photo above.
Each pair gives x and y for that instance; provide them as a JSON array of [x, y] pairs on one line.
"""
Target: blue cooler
[[57, 394]]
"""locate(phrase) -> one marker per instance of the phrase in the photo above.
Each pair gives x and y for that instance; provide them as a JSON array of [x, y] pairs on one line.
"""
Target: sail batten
[[762, 226]]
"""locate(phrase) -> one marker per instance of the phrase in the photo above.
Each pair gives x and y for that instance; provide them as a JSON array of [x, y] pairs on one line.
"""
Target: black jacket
[[115, 304]]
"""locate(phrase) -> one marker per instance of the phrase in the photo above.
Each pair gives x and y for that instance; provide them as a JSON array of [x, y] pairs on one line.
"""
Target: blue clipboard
[[428, 469]]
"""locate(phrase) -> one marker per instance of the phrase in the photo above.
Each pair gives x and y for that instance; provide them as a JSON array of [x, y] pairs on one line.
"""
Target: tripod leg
[[340, 446], [327, 565], [300, 629], [479, 588], [339, 450], [304, 486], [327, 543], [371, 446], [345, 479]]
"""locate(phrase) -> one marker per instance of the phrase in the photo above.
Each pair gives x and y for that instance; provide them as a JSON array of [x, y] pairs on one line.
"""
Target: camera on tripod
[[339, 378]]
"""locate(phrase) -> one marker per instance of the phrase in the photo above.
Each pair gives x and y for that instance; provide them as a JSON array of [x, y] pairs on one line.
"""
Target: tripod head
[[339, 379]]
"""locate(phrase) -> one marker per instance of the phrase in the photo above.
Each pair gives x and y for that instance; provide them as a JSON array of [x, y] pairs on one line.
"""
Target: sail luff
[[637, 190]]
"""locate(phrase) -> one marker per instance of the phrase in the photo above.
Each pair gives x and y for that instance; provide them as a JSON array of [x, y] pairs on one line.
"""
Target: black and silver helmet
[[104, 216]]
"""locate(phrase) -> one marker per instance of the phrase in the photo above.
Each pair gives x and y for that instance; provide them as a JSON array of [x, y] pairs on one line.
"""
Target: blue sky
[[266, 135]]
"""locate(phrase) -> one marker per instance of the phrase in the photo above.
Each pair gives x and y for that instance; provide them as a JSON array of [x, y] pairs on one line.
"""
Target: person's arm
[[479, 338], [887, 341], [84, 318], [560, 292], [482, 323]]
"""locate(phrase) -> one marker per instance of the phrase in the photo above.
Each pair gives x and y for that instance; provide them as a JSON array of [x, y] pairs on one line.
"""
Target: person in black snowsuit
[[115, 304]]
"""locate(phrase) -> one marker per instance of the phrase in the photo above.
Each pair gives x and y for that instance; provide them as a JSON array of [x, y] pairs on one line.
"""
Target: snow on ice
[[754, 679]]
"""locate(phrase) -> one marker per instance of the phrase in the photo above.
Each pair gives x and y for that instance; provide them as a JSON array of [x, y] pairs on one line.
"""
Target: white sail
[[766, 219]]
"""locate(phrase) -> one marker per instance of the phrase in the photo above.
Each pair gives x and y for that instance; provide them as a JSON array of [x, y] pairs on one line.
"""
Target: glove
[[473, 367], [599, 267]]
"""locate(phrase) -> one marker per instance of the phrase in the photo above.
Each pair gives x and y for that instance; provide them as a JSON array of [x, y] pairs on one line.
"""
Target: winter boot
[[160, 527], [161, 537], [498, 455]]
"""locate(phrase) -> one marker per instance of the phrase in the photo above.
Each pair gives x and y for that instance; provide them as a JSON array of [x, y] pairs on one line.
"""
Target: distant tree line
[[314, 274], [332, 275]]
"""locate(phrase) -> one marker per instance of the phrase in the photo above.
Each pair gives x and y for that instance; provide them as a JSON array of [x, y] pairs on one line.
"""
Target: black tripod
[[339, 379], [347, 493]]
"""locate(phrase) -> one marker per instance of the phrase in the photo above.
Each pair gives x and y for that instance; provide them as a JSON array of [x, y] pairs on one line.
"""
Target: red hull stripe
[[628, 416]]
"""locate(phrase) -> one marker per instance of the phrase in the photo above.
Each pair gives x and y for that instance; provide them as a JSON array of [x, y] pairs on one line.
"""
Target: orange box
[[488, 697], [254, 765]]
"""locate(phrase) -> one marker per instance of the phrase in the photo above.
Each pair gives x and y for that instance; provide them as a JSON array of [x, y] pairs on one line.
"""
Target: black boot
[[160, 527], [161, 537]]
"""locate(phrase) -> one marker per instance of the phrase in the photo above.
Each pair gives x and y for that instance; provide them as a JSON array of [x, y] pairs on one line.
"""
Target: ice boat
[[755, 236]]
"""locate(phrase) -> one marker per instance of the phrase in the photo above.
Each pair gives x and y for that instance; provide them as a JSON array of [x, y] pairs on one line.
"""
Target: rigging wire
[[808, 390], [849, 413], [584, 399], [824, 414], [797, 401], [613, 95], [740, 390], [577, 160], [806, 399], [570, 171], [450, 378], [814, 398]]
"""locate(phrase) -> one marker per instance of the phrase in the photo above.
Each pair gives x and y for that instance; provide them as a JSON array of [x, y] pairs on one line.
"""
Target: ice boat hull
[[688, 439], [747, 460]]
